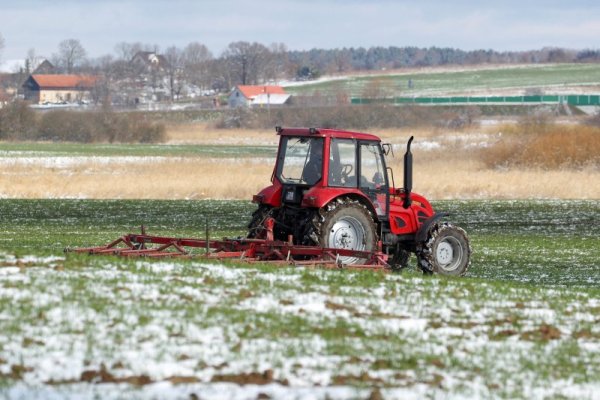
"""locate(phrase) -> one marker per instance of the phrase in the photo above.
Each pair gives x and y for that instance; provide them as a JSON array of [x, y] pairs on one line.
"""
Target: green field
[[524, 323], [425, 83], [20, 150]]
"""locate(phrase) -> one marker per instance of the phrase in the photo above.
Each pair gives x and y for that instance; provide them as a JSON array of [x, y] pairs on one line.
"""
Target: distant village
[[244, 75], [150, 86]]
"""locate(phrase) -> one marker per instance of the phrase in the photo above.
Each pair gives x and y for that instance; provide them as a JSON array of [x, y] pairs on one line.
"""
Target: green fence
[[573, 100]]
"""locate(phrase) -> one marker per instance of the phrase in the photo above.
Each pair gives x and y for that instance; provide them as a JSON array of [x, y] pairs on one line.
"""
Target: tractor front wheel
[[446, 251], [346, 224]]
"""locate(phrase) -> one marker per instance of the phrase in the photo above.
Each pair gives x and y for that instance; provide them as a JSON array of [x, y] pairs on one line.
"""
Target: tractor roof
[[323, 132]]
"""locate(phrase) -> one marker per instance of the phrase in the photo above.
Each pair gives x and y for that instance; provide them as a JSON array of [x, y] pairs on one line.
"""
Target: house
[[257, 96], [149, 61], [4, 98], [59, 88]]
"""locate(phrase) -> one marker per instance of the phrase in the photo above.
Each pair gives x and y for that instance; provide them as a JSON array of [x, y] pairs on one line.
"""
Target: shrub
[[19, 122], [17, 119], [554, 147], [66, 126], [359, 117]]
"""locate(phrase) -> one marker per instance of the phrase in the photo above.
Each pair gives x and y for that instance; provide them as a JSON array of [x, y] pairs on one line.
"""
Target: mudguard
[[422, 233]]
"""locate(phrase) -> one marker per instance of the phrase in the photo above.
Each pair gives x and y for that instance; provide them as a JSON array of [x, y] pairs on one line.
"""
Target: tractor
[[331, 188]]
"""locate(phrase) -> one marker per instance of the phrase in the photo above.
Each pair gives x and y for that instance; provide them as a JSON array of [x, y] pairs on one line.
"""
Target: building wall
[[237, 99], [57, 96]]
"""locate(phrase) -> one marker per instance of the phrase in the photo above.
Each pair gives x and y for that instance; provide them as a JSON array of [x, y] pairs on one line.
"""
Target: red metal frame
[[249, 250]]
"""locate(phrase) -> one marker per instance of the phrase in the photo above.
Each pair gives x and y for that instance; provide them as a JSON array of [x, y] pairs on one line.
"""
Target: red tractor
[[332, 188]]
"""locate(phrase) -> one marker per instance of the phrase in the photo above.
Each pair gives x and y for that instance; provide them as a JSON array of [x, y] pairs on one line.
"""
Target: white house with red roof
[[258, 96]]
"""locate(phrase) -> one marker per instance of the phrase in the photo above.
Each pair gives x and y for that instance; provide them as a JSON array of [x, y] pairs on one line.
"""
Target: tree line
[[254, 63]]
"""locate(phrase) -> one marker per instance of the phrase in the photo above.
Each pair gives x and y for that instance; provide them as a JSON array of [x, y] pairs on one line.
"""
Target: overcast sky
[[301, 25]]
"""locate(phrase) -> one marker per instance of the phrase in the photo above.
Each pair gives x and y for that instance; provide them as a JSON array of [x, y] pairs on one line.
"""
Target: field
[[203, 163], [492, 80], [524, 323]]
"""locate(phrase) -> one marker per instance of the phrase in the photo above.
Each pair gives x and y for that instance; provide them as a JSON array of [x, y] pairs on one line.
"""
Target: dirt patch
[[586, 334], [16, 371], [181, 380], [251, 378], [104, 376], [350, 380], [544, 333]]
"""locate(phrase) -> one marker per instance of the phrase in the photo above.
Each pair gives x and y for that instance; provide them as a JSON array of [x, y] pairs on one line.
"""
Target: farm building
[[257, 96], [149, 61], [59, 88]]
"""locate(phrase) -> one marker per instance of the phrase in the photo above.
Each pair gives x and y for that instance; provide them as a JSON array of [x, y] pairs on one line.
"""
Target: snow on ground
[[230, 332]]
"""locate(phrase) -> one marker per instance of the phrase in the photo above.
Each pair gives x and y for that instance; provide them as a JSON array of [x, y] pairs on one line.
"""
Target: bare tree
[[278, 65], [32, 61], [246, 60], [125, 51], [196, 57], [174, 70], [70, 54]]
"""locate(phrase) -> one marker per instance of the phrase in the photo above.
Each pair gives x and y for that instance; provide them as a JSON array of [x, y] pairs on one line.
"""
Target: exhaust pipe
[[407, 174]]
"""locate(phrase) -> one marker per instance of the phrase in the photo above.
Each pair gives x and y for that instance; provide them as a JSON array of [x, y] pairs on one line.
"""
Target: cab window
[[342, 163]]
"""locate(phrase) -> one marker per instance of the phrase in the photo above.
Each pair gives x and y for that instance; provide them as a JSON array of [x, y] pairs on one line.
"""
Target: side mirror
[[387, 149]]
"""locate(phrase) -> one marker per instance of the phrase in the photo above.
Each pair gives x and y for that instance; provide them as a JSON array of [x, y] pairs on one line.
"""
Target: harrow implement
[[247, 250]]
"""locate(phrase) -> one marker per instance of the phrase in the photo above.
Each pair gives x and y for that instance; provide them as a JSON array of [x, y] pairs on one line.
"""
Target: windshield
[[301, 160]]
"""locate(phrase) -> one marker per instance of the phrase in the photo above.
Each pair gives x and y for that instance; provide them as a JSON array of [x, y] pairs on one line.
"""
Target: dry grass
[[440, 178], [452, 171], [548, 147], [172, 179], [201, 133]]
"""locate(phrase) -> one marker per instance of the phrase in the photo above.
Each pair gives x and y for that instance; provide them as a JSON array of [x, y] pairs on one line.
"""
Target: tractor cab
[[315, 166]]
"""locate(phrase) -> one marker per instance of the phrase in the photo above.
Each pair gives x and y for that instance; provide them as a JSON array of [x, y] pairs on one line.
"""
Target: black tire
[[346, 224], [446, 251], [256, 229], [399, 259]]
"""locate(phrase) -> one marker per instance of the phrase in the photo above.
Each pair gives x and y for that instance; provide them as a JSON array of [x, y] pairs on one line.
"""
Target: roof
[[64, 81], [324, 132], [272, 99], [250, 91]]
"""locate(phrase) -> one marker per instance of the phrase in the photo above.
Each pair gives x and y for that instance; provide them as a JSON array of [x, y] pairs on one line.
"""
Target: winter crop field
[[524, 323], [558, 78]]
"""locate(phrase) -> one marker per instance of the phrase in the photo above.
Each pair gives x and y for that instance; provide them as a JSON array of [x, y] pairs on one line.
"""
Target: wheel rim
[[347, 233], [449, 254]]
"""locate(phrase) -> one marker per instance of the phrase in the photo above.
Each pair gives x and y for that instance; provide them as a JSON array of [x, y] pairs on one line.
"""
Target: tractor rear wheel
[[446, 251], [345, 224], [256, 230]]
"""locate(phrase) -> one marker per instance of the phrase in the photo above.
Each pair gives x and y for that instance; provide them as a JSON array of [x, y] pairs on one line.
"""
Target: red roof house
[[58, 88], [253, 95]]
